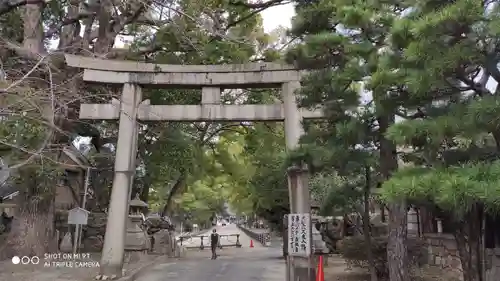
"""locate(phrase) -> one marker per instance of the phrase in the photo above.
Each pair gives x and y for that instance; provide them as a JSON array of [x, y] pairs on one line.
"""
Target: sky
[[279, 15]]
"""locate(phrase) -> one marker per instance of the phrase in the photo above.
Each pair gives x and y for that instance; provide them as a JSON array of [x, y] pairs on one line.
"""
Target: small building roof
[[138, 203], [76, 156]]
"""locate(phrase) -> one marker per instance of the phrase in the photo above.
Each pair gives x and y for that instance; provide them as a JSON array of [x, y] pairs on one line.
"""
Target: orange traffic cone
[[251, 243], [320, 275]]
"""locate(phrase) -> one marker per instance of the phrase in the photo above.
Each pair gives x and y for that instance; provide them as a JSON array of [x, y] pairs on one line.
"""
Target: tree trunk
[[382, 213], [397, 249], [33, 28], [179, 185], [33, 226], [32, 230], [145, 192], [468, 237], [345, 226], [366, 225], [427, 220]]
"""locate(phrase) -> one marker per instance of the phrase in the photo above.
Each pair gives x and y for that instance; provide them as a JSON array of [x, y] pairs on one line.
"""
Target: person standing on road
[[214, 242]]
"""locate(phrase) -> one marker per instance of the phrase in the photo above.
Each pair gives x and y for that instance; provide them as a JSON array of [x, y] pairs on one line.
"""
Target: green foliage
[[10, 26], [258, 172], [203, 198], [265, 146], [28, 133], [455, 189], [465, 119], [431, 63], [205, 155], [24, 137], [195, 32], [425, 55], [340, 195], [455, 144], [237, 170], [341, 42]]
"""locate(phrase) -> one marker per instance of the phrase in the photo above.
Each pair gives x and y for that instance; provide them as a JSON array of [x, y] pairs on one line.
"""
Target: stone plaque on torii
[[211, 79]]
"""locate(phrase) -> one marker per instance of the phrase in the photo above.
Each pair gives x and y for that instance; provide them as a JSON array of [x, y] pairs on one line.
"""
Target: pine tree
[[346, 42], [447, 55]]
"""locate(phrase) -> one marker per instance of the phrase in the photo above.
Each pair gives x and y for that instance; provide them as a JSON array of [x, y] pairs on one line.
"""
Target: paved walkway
[[243, 264]]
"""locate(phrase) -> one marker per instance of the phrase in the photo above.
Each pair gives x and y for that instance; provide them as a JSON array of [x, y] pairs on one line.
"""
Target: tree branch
[[179, 184], [7, 6], [259, 5], [67, 21], [213, 134]]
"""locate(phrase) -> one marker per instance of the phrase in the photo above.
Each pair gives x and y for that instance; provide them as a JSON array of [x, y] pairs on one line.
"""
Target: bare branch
[[7, 6], [259, 5], [67, 21]]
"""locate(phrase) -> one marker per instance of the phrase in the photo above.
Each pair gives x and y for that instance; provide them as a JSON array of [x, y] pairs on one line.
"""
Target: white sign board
[[78, 216], [299, 235]]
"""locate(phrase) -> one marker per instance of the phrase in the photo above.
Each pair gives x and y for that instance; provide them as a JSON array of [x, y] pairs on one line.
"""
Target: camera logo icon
[[24, 260]]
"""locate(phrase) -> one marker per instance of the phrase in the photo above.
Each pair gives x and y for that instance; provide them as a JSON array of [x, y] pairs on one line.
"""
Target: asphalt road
[[242, 264]]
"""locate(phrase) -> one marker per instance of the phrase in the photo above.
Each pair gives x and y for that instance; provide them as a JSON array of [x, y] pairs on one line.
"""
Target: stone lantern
[[136, 238]]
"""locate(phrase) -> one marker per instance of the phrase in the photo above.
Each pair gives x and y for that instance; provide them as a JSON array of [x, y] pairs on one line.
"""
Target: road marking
[[172, 274]]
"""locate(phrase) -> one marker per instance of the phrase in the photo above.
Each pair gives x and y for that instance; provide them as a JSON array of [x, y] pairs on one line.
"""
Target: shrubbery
[[353, 249]]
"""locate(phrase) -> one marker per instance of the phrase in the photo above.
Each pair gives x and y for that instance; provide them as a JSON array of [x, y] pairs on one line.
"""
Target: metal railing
[[185, 241], [263, 238]]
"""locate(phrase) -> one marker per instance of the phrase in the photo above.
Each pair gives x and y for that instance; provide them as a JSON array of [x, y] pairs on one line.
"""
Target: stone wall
[[443, 252], [492, 264]]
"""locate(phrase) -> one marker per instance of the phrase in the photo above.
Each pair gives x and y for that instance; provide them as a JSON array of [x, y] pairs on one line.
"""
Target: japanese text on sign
[[299, 235]]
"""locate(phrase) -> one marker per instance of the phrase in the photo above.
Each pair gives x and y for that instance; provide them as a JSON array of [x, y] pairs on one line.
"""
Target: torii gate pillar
[[125, 165], [297, 178], [293, 131]]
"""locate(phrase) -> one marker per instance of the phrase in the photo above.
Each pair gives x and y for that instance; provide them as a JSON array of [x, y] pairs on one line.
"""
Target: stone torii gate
[[133, 76]]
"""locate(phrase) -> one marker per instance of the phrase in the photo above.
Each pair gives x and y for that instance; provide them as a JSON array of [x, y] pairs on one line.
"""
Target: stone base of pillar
[[110, 271], [304, 273], [180, 252]]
